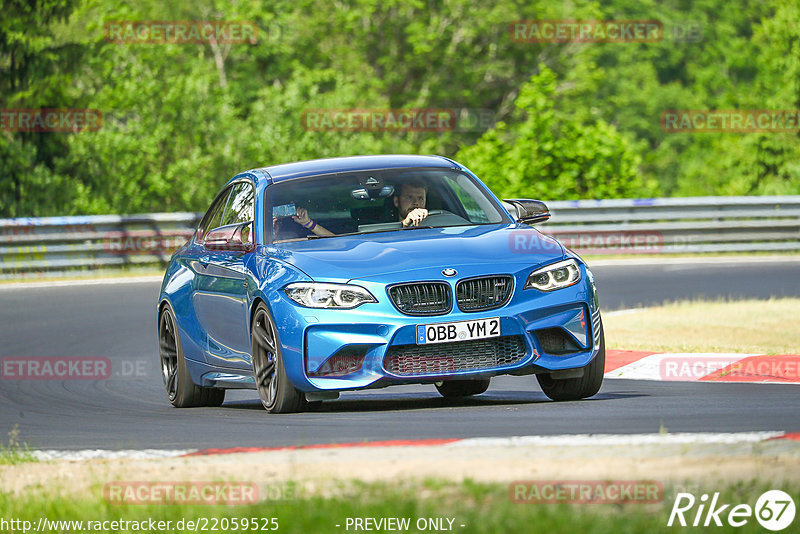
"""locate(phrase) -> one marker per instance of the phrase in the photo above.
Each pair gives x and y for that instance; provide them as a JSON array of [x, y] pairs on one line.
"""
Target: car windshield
[[376, 201]]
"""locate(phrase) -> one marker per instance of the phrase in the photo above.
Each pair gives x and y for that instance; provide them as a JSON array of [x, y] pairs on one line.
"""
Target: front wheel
[[577, 388], [181, 391], [274, 389], [462, 388]]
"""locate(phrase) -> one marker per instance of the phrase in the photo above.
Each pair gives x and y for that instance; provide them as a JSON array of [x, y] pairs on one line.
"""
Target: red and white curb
[[566, 440], [703, 367]]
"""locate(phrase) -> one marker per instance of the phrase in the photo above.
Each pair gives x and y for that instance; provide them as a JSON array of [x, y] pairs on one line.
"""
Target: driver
[[410, 200]]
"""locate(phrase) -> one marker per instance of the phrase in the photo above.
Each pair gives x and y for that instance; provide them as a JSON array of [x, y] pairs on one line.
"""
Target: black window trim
[[227, 203], [226, 190]]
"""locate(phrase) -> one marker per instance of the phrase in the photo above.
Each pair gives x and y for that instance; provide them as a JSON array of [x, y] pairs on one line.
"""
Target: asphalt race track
[[130, 411]]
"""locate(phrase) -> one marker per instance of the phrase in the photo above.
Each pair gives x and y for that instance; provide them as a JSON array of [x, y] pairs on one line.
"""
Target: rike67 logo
[[774, 510]]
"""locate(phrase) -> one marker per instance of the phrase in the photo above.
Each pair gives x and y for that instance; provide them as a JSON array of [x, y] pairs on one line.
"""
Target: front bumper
[[529, 324]]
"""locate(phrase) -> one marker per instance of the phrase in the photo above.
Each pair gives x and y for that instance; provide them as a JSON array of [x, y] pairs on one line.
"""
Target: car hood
[[419, 253]]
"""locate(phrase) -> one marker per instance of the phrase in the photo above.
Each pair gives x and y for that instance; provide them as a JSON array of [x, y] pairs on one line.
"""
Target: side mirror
[[233, 237], [527, 211]]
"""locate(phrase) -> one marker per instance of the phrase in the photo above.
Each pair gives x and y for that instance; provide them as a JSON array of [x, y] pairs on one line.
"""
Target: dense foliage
[[571, 120]]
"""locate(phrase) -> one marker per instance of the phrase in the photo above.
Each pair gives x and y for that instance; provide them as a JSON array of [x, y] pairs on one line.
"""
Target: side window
[[475, 212], [213, 215], [240, 205]]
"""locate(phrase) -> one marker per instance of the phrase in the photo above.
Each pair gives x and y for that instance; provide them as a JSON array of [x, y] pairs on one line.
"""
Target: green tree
[[180, 119], [35, 71], [551, 150], [760, 163]]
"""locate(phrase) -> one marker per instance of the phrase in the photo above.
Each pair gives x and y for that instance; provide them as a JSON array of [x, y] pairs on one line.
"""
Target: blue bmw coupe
[[308, 279]]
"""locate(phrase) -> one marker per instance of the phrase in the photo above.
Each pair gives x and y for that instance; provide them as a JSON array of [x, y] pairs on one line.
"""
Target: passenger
[[306, 222]]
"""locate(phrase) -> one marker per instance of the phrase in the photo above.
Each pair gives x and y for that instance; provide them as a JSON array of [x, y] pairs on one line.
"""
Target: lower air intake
[[556, 341], [348, 360], [444, 358]]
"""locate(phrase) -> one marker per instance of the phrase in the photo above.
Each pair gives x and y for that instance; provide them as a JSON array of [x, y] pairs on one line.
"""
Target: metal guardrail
[[677, 225], [66, 243], [627, 226]]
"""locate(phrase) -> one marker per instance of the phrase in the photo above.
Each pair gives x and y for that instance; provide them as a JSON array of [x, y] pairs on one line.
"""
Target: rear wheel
[[181, 391], [577, 388], [274, 389], [462, 388]]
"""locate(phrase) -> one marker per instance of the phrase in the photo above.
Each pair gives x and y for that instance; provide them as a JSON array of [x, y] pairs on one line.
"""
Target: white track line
[[587, 440], [575, 440], [104, 454], [44, 284]]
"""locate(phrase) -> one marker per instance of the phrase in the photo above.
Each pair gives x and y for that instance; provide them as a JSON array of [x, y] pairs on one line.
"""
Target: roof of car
[[313, 167]]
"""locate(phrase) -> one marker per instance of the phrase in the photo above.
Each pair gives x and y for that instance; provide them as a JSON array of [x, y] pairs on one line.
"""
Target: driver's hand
[[302, 217], [415, 216]]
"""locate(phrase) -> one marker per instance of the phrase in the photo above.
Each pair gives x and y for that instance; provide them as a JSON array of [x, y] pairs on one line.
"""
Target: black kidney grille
[[444, 358], [487, 293], [421, 298]]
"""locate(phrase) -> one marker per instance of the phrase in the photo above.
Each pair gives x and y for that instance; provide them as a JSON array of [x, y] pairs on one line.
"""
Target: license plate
[[460, 331]]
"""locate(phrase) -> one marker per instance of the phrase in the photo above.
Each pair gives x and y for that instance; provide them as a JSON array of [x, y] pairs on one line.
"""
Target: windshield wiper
[[315, 236]]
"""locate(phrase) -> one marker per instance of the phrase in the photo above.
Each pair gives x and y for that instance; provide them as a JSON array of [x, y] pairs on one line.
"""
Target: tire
[[462, 388], [577, 388], [181, 391], [274, 389]]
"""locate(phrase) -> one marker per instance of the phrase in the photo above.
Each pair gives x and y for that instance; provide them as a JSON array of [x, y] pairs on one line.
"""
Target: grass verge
[[472, 507], [14, 452], [744, 326]]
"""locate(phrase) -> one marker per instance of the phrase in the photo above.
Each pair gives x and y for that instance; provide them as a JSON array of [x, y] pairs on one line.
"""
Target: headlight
[[314, 295], [555, 276]]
